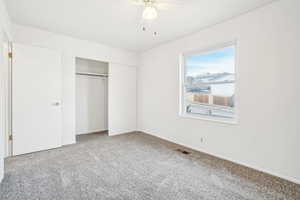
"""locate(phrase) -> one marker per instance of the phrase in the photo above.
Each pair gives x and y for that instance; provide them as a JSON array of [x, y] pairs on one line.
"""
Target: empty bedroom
[[149, 100]]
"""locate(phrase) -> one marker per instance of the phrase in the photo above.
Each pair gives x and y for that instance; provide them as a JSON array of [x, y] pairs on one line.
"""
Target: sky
[[213, 62]]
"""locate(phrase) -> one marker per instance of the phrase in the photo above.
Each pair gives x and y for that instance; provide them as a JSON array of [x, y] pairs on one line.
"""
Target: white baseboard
[[91, 131], [288, 178], [69, 143], [118, 132]]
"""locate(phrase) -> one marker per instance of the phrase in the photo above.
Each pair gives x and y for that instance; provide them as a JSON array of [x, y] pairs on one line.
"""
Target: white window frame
[[182, 79]]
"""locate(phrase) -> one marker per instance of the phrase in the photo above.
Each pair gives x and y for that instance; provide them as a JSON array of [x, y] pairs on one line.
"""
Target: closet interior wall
[[91, 96]]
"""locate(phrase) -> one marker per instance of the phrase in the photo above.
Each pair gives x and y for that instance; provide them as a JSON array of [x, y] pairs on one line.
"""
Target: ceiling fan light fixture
[[150, 13]]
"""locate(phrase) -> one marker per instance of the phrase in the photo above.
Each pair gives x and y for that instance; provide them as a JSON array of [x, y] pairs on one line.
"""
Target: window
[[208, 87]]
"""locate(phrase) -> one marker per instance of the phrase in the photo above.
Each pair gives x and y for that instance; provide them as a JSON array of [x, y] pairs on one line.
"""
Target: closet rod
[[91, 74]]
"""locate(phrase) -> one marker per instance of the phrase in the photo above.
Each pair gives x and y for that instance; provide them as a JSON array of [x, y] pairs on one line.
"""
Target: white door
[[121, 99], [36, 99]]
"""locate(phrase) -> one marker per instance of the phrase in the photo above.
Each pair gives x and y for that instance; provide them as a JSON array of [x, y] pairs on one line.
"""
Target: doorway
[[91, 96]]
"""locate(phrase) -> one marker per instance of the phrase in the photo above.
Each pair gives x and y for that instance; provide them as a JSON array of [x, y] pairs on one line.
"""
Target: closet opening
[[91, 96]]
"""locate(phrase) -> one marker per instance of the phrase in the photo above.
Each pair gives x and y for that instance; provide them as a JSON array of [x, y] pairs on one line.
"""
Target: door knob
[[56, 104]]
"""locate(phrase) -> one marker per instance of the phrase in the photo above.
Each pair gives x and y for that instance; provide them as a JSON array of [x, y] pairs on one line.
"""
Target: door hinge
[[10, 138], [10, 54]]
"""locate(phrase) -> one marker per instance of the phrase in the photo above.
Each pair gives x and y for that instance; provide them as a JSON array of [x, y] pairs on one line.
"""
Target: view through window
[[209, 86]]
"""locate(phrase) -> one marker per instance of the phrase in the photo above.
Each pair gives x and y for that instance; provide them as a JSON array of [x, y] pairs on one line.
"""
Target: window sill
[[211, 119]]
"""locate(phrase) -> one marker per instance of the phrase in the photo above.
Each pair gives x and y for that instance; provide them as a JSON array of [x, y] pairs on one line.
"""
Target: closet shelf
[[91, 74]]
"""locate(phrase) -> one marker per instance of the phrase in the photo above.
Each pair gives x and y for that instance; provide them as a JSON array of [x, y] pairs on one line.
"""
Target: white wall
[[267, 134], [91, 66], [71, 48], [5, 24]]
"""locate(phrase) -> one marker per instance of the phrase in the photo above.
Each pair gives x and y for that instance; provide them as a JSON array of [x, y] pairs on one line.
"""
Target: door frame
[[7, 56]]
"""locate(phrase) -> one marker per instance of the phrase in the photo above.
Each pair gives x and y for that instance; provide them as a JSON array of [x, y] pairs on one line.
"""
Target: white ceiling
[[118, 22]]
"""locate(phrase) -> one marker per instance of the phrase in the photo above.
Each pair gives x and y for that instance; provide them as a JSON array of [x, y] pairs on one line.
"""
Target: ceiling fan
[[150, 11], [151, 7]]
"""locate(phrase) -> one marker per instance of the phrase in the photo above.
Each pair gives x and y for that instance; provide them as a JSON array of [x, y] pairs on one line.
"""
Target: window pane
[[210, 83]]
